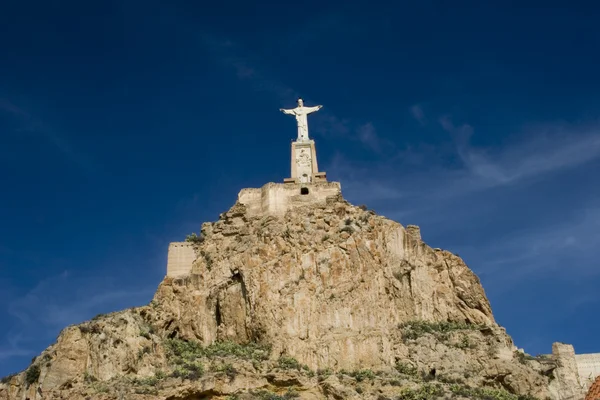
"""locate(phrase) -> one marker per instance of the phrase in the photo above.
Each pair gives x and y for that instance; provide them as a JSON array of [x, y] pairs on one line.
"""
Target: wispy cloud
[[9, 107], [29, 125], [368, 136], [549, 148], [229, 54], [417, 112], [62, 300]]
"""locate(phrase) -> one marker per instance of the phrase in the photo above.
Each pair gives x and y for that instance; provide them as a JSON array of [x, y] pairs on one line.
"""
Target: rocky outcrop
[[328, 301]]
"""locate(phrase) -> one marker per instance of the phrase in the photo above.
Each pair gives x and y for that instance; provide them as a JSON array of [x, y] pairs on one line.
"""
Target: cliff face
[[326, 301]]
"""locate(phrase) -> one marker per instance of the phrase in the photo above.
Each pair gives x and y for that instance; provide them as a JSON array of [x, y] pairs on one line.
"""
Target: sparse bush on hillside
[[414, 329], [186, 355], [322, 374], [266, 395], [486, 393], [362, 374], [287, 362], [186, 369], [227, 369], [428, 391], [406, 369], [522, 357], [90, 328], [7, 378], [195, 239], [348, 229], [32, 374]]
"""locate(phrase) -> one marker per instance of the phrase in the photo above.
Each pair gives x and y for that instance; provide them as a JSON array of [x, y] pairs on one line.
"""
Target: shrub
[[485, 393], [406, 369], [287, 362], [143, 350], [464, 343], [89, 378], [7, 378], [348, 229], [265, 395], [195, 239], [322, 374], [191, 370], [32, 374], [426, 392], [187, 350], [362, 374], [522, 357], [227, 369]]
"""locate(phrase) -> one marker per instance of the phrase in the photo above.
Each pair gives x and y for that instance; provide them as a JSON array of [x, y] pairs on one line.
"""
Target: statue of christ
[[300, 113]]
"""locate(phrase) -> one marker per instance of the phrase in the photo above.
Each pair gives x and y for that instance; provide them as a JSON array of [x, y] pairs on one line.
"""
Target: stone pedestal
[[304, 165]]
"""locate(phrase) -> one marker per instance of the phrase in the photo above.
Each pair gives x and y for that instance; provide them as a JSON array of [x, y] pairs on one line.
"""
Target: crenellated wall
[[180, 258]]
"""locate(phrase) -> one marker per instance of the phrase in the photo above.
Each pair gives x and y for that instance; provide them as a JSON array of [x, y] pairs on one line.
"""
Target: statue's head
[[300, 102]]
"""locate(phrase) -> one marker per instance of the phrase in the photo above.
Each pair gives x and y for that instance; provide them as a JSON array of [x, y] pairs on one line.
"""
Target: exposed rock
[[363, 307]]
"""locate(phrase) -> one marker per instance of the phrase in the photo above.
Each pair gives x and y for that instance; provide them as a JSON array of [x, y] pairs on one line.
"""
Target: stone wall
[[567, 384], [277, 198], [588, 366], [180, 258]]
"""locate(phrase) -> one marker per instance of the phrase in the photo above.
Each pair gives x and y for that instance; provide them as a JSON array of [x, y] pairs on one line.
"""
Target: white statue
[[301, 112]]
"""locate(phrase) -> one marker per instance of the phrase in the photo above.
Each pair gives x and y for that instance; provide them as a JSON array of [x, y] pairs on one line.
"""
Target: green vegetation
[[187, 369], [208, 259], [146, 331], [522, 357], [347, 228], [266, 395], [322, 374], [227, 369], [486, 393], [144, 350], [406, 369], [414, 329], [195, 239], [186, 355], [32, 374], [362, 374], [428, 391], [465, 343], [7, 378], [287, 362]]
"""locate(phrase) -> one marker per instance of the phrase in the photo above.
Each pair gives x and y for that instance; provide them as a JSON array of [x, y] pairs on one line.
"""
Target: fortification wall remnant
[[588, 366], [277, 198], [180, 258]]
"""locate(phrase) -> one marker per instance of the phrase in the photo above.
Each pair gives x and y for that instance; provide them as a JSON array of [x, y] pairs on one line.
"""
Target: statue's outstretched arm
[[290, 112], [312, 109]]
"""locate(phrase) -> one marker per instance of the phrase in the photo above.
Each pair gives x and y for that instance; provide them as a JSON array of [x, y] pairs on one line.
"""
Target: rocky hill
[[326, 301]]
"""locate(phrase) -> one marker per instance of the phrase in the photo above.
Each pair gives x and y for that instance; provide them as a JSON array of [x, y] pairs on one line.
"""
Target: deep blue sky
[[126, 124]]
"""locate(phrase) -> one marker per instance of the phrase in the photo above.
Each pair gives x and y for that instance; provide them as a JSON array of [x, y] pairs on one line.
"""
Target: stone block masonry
[[277, 198], [180, 258], [588, 366]]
